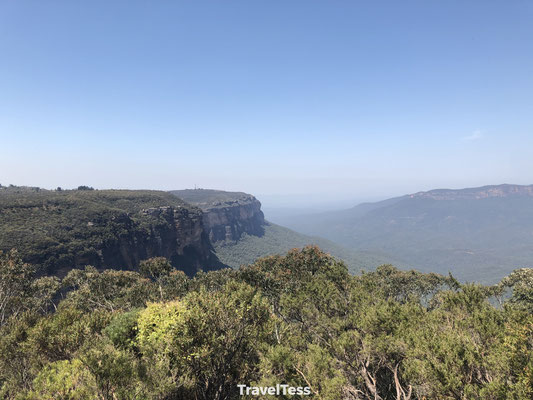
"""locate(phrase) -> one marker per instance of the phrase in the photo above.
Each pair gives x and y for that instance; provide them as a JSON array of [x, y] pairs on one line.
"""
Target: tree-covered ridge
[[209, 197], [123, 200], [299, 319], [60, 229]]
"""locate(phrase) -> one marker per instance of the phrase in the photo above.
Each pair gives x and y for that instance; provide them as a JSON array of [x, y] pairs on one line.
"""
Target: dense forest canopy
[[299, 319]]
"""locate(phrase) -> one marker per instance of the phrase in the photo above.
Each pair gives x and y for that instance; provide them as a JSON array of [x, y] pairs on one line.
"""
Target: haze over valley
[[477, 234]]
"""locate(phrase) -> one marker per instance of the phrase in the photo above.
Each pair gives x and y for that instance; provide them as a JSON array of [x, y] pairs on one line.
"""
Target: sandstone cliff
[[226, 215], [61, 230], [175, 233]]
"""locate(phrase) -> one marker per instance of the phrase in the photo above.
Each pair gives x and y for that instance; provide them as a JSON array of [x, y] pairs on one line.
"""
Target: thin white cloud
[[476, 135]]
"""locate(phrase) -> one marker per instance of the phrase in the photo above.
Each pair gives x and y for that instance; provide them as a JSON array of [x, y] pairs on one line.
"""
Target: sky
[[293, 101]]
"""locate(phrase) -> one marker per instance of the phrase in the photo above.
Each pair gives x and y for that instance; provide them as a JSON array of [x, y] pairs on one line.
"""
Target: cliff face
[[175, 233], [62, 230], [228, 221], [59, 231], [226, 215]]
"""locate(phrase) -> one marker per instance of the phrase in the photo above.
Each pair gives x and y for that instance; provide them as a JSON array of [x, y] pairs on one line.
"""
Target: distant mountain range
[[477, 234]]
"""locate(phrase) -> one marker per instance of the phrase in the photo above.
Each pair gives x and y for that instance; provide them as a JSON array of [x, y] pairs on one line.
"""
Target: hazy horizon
[[292, 204], [290, 101]]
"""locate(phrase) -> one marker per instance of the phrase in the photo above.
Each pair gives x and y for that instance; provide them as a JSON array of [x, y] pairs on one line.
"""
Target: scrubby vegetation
[[299, 319]]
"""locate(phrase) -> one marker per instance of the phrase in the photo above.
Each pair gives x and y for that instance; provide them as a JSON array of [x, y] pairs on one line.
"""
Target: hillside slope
[[478, 234], [279, 240]]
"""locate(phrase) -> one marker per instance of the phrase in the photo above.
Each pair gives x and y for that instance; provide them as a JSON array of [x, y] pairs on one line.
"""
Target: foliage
[[110, 290], [299, 319], [122, 330], [20, 290], [155, 268], [15, 284], [63, 380], [206, 345], [521, 283]]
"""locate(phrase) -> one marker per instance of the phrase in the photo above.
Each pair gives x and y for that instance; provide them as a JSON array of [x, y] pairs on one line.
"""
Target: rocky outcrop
[[61, 230], [107, 229], [229, 220], [175, 233], [227, 215]]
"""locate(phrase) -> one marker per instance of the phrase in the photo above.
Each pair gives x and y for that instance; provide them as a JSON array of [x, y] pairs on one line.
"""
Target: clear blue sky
[[300, 98]]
